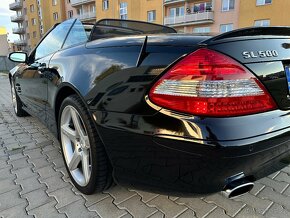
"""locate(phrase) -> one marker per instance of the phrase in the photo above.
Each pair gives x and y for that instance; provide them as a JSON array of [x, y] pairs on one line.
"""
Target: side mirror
[[19, 57]]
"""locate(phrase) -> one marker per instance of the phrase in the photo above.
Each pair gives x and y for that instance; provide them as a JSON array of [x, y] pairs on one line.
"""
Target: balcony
[[18, 30], [15, 6], [80, 2], [168, 2], [17, 18], [196, 18], [86, 16], [20, 42]]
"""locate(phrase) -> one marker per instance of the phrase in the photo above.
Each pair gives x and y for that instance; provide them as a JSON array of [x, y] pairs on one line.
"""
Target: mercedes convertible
[[141, 105]]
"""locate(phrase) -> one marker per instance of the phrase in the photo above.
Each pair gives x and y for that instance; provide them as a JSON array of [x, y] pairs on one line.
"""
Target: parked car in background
[[138, 104]]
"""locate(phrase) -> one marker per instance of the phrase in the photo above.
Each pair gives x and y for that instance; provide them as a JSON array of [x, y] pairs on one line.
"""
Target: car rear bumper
[[176, 164]]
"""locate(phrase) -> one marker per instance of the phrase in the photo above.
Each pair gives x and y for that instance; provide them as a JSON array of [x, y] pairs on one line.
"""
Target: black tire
[[101, 170], [16, 103]]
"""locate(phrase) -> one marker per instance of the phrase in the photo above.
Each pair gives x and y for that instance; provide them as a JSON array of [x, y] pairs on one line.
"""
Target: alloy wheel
[[76, 145]]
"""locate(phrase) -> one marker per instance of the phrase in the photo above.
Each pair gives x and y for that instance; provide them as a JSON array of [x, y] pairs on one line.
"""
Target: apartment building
[[202, 16], [85, 10], [144, 10], [264, 13], [19, 18], [34, 19]]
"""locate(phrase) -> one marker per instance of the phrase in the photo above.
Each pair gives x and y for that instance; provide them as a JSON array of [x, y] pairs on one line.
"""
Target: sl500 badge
[[260, 54]]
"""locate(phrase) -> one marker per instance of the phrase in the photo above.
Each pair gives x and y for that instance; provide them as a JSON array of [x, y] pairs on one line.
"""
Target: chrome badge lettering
[[260, 54]]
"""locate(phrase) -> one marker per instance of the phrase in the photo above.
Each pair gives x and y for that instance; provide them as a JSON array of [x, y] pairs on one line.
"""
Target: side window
[[54, 40], [77, 35]]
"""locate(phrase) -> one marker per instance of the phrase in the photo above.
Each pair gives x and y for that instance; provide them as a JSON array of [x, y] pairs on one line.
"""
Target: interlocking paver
[[77, 210], [64, 196], [39, 163], [283, 177], [200, 207], [188, 213], [218, 212], [120, 194], [137, 208], [58, 162], [23, 173], [37, 198], [145, 196], [46, 172], [278, 186], [167, 206], [46, 210], [232, 207], [248, 212], [259, 204], [10, 199], [19, 163], [29, 184], [277, 211], [5, 173], [107, 209], [15, 212], [91, 199], [7, 185], [276, 197], [54, 183]]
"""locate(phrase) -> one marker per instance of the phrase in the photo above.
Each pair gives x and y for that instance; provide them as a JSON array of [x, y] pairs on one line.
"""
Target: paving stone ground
[[34, 183]]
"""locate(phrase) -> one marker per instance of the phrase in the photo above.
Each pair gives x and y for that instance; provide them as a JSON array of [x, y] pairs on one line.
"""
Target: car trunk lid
[[264, 51]]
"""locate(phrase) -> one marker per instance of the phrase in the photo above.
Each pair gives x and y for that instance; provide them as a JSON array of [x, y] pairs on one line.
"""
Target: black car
[[141, 105]]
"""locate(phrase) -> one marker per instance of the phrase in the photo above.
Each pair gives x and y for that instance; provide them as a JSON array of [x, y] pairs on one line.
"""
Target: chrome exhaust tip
[[237, 185]]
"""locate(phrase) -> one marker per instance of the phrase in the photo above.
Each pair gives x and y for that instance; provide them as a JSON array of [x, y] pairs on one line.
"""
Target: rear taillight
[[209, 83]]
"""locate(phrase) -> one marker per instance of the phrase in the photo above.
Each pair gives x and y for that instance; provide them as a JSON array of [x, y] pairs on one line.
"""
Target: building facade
[[264, 13], [85, 10], [19, 18], [201, 16], [34, 18], [149, 10]]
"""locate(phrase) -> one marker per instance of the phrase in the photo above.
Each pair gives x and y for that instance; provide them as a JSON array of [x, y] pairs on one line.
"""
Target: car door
[[31, 81]]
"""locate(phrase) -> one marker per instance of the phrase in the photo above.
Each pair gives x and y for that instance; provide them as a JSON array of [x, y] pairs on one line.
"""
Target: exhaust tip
[[238, 190]]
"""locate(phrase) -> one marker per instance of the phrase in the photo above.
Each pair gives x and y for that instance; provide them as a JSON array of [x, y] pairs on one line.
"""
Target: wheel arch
[[63, 92]]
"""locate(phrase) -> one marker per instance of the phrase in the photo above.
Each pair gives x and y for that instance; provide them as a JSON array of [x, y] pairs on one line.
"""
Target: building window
[[201, 29], [41, 29], [105, 5], [93, 8], [201, 7], [228, 5], [176, 12], [124, 10], [31, 8], [34, 34], [226, 27], [263, 2], [28, 36], [151, 16], [70, 14], [24, 11], [33, 21], [262, 23], [54, 2], [55, 16]]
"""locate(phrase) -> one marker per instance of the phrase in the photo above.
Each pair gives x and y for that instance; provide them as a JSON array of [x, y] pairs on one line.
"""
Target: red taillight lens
[[209, 83]]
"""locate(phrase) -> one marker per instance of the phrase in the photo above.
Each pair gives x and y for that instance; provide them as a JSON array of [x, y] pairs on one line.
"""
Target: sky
[[5, 21]]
